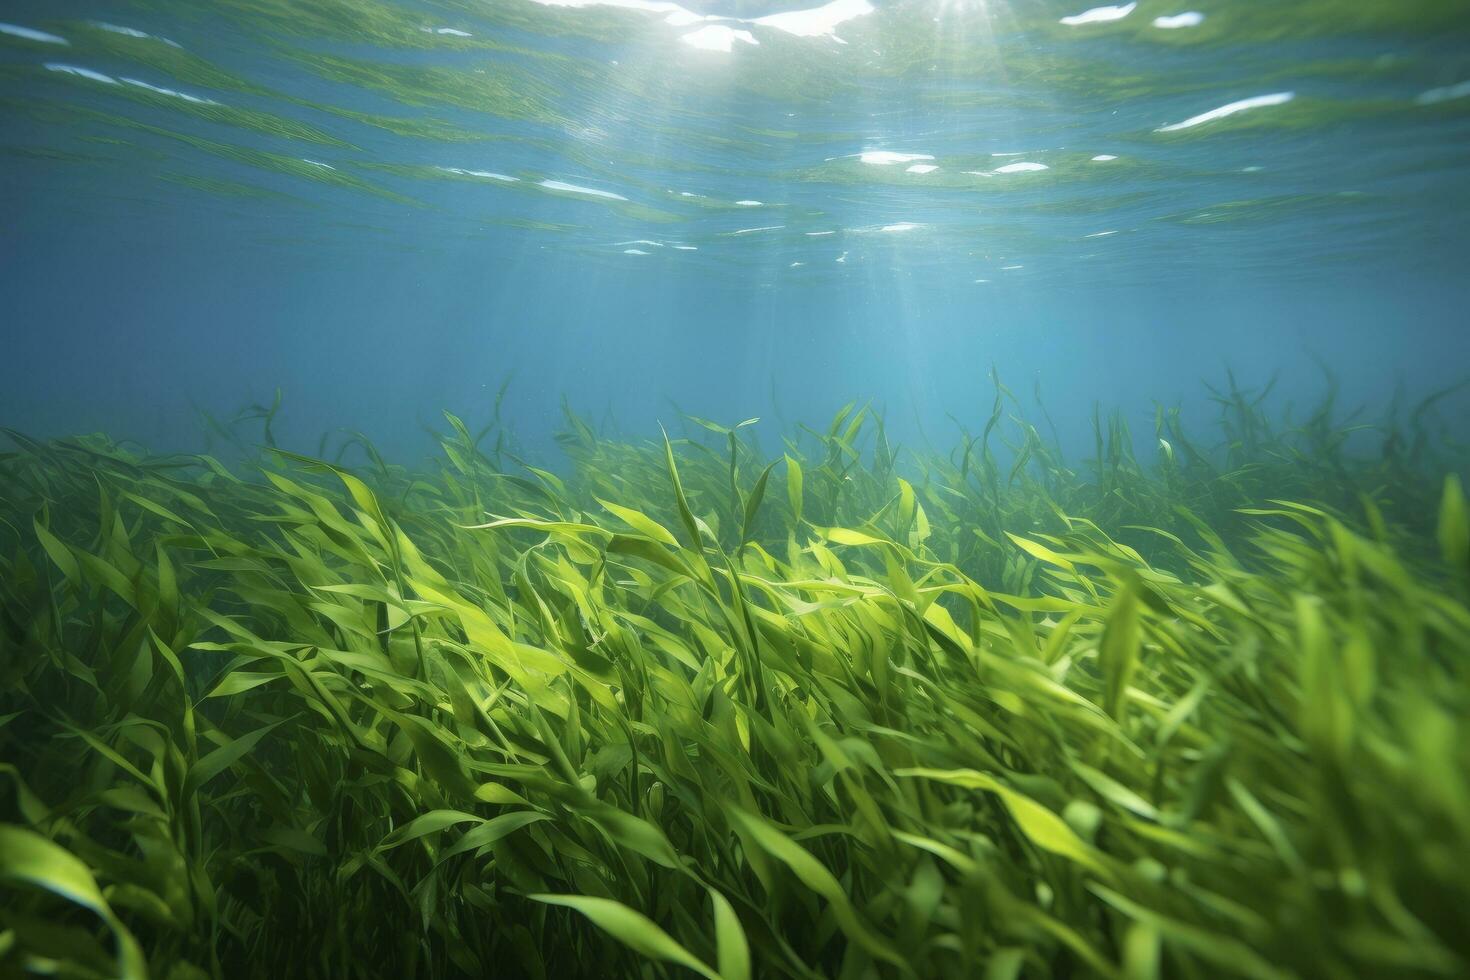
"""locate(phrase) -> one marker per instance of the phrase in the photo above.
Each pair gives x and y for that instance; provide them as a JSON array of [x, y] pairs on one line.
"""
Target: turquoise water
[[386, 208]]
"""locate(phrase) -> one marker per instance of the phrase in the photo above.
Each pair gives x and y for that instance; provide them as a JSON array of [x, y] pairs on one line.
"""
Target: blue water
[[385, 209]]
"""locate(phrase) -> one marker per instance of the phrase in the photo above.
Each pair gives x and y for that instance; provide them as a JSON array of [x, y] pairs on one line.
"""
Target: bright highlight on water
[[870, 490]]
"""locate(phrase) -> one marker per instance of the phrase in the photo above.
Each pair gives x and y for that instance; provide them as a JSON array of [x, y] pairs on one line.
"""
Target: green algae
[[685, 707]]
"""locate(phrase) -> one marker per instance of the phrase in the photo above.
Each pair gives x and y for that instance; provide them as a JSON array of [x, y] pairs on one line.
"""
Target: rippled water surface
[[1000, 134]]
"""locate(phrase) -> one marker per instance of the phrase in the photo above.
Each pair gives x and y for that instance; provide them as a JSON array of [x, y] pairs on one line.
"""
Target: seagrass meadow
[[698, 707]]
